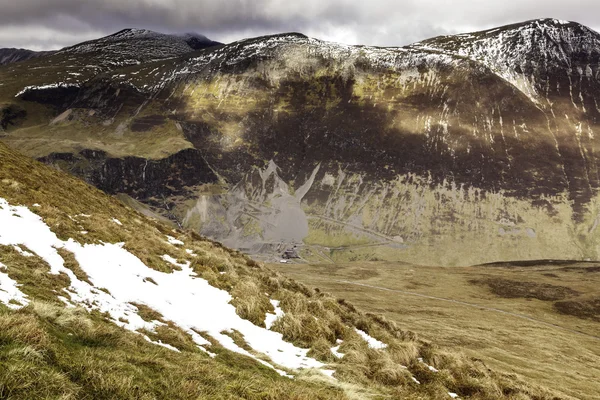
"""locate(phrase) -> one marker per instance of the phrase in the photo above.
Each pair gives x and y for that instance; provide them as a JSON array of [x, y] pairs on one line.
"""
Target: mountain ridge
[[12, 55]]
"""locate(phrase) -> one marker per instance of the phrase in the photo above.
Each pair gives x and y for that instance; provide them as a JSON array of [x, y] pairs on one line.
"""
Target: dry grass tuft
[[72, 264], [250, 302], [22, 328], [148, 314]]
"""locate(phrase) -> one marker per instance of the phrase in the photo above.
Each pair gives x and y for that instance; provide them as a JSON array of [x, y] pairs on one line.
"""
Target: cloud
[[40, 24]]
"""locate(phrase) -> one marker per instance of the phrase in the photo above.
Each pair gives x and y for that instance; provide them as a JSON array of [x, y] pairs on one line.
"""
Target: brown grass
[[480, 352], [586, 308], [521, 289], [148, 314], [72, 264]]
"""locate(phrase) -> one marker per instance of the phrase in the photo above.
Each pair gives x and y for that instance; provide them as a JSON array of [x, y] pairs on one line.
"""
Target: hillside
[[98, 301], [458, 150], [8, 56], [539, 319]]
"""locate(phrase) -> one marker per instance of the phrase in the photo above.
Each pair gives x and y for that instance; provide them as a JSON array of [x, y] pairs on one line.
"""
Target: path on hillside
[[467, 304]]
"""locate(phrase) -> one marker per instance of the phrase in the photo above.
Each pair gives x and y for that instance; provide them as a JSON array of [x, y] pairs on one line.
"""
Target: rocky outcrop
[[143, 179]]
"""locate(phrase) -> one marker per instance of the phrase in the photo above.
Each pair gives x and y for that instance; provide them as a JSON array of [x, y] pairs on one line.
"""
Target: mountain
[[135, 46], [9, 55], [458, 150], [99, 301]]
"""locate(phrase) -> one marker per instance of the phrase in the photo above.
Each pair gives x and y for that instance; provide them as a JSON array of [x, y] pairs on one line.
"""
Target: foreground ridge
[[95, 290]]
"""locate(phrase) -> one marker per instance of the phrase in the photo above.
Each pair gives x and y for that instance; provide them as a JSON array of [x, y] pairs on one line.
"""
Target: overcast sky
[[52, 24]]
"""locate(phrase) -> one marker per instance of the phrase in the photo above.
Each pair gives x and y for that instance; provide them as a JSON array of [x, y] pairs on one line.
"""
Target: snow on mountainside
[[526, 53], [298, 51]]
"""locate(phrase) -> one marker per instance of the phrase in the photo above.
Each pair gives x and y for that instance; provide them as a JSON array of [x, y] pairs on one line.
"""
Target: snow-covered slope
[[128, 280], [526, 54]]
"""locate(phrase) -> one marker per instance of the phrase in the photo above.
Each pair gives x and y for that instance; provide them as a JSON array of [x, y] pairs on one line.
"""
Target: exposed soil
[[587, 309], [510, 289]]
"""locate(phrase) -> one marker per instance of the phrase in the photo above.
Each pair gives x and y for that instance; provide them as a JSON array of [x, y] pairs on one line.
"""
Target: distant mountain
[[135, 46], [10, 55], [456, 150]]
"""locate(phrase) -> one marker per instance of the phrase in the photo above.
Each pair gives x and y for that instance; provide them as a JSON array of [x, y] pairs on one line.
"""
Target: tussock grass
[[147, 313], [24, 329], [173, 335], [250, 302], [42, 355], [33, 275], [72, 264]]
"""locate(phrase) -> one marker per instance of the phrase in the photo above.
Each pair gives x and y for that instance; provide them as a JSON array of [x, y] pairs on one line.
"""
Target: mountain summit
[[527, 52]]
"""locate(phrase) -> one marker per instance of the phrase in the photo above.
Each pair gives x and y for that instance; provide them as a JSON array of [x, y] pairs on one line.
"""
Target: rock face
[[456, 150], [136, 176]]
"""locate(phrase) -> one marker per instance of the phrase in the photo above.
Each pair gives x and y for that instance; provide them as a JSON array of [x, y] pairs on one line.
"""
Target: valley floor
[[538, 320]]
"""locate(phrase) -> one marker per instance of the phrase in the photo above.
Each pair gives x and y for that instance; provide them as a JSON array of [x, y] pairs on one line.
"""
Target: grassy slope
[[564, 357], [47, 351]]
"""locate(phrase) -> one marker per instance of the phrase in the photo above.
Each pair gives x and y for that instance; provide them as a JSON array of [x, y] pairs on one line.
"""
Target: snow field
[[181, 297]]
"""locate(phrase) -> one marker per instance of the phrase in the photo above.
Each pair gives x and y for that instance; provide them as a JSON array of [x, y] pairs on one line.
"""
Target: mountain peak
[[133, 46], [197, 41], [541, 24]]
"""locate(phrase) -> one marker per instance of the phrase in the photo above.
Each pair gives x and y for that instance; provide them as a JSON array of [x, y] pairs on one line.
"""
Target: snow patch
[[432, 369], [336, 350], [174, 242], [9, 290], [46, 87], [371, 341], [116, 221], [160, 343], [22, 252], [271, 318], [174, 262], [191, 253], [181, 297], [329, 372]]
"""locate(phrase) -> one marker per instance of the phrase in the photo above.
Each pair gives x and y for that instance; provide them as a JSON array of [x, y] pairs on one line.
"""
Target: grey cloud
[[55, 23]]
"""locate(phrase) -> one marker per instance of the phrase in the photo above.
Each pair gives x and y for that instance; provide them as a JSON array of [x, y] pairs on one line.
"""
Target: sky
[[53, 24]]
